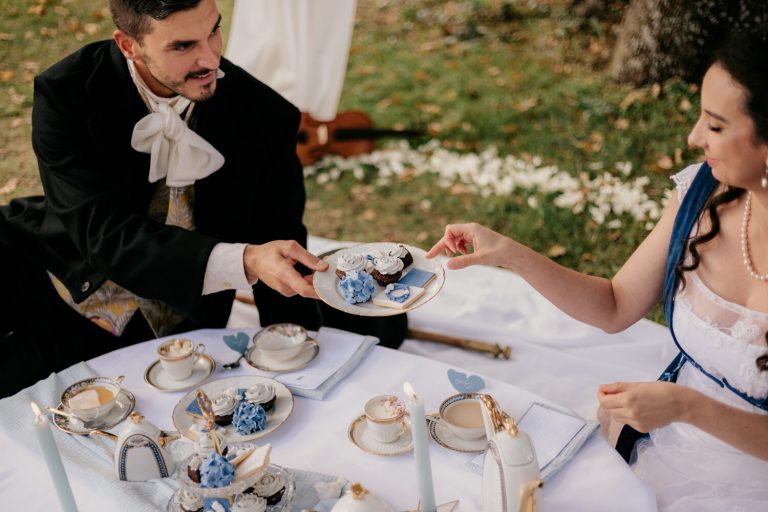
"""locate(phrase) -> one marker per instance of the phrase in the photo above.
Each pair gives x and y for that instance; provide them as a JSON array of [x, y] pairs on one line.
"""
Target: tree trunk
[[661, 39]]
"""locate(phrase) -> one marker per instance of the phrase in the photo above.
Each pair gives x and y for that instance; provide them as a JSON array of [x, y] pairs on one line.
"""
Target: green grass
[[525, 76]]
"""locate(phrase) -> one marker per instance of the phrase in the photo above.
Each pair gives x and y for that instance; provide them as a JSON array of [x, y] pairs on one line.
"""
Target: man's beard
[[177, 87]]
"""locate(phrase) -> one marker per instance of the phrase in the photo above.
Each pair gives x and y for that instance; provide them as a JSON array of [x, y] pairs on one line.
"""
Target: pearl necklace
[[746, 257]]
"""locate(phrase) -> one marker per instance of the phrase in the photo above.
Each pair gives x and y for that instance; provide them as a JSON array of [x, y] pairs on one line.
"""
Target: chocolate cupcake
[[387, 269], [190, 500], [193, 468], [249, 503], [271, 487], [403, 253], [350, 262], [223, 409], [261, 394]]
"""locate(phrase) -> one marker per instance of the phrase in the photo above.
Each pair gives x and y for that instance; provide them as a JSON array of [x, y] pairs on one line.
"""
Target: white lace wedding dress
[[689, 469]]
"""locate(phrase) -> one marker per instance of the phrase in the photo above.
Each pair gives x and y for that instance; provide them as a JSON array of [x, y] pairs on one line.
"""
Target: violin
[[348, 134]]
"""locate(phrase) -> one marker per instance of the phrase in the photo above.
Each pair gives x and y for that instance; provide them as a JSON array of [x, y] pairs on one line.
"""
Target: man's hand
[[273, 263]]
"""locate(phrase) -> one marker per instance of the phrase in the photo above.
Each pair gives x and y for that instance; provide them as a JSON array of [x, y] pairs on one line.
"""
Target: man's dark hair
[[132, 16]]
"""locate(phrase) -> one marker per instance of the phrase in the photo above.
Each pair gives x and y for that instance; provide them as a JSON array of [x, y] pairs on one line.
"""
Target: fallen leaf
[[685, 105], [4, 36], [36, 10], [10, 186], [678, 156], [61, 10], [633, 96], [91, 28], [587, 257], [458, 189], [656, 90], [16, 122], [621, 123], [526, 104], [664, 162], [494, 71], [369, 215], [429, 108], [421, 75], [556, 250], [434, 128], [422, 236], [7, 75]]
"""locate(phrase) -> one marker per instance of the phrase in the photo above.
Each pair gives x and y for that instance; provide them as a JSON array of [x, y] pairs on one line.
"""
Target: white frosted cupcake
[[261, 394], [350, 263], [249, 503], [223, 409], [404, 254], [190, 500], [271, 487], [387, 269], [204, 444]]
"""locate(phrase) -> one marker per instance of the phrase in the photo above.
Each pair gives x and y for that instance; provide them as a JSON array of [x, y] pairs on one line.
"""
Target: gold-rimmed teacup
[[92, 399], [385, 417], [178, 357]]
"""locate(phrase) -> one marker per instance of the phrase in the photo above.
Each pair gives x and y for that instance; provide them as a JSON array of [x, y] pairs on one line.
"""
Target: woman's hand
[[488, 246], [644, 405]]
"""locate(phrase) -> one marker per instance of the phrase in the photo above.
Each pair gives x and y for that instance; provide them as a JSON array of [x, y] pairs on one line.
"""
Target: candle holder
[[445, 507]]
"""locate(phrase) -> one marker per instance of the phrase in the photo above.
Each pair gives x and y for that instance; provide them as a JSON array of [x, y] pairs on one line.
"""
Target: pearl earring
[[764, 181]]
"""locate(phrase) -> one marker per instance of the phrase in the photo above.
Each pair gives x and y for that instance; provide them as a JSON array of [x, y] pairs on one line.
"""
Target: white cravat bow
[[177, 153]]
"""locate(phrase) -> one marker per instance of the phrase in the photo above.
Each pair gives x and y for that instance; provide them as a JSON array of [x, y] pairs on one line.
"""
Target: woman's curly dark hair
[[737, 57]]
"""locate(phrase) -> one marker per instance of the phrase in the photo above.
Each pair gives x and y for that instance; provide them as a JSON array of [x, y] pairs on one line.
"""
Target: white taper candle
[[53, 459], [421, 449]]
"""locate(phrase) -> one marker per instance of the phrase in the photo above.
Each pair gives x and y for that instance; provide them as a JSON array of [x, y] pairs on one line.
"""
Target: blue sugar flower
[[216, 471], [249, 418], [356, 287], [397, 292]]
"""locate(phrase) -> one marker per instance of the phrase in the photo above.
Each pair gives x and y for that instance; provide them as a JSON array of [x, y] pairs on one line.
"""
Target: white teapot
[[511, 471], [140, 451], [358, 499]]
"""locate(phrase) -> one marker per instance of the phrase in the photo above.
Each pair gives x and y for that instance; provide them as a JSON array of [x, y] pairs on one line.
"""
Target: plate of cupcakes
[[245, 408], [379, 279]]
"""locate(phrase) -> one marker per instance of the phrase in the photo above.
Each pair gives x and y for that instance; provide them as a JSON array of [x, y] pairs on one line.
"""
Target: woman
[[708, 444]]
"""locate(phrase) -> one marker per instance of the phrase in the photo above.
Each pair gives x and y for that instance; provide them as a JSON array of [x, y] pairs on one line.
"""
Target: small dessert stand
[[237, 486]]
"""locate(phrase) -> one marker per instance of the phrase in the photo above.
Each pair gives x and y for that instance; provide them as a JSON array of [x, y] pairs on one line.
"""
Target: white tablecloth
[[554, 357]]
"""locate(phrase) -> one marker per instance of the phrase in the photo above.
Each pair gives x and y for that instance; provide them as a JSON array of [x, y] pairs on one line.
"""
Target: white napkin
[[340, 353]]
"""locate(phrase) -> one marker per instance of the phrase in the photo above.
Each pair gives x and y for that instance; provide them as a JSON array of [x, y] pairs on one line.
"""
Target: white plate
[[443, 436], [283, 407], [261, 361], [362, 437], [157, 378], [124, 405], [327, 283]]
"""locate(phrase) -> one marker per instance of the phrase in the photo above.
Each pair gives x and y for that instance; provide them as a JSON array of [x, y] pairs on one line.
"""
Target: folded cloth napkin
[[340, 352], [85, 458]]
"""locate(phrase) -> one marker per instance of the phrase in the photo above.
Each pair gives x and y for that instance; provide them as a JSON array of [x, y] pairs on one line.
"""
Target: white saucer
[[261, 361], [362, 437], [124, 404], [158, 378], [443, 436]]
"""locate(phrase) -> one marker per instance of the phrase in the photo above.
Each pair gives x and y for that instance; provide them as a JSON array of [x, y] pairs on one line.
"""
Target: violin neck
[[373, 133]]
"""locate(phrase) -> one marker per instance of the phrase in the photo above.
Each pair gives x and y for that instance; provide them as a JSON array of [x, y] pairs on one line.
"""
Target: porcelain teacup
[[463, 416], [385, 417], [281, 342], [178, 357], [91, 400]]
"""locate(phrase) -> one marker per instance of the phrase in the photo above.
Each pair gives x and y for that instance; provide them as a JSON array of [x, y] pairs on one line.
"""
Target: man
[[170, 179]]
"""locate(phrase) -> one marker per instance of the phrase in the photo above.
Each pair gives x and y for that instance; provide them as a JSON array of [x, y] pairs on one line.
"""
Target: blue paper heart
[[237, 342], [465, 383]]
